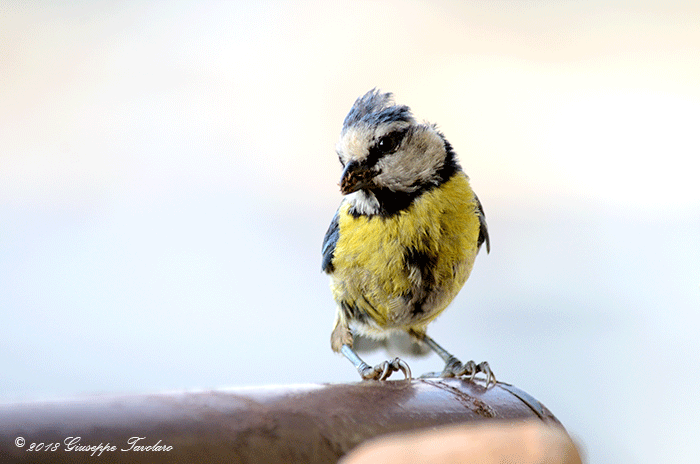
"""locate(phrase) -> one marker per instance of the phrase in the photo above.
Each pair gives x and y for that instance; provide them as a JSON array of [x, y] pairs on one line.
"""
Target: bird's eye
[[390, 142]]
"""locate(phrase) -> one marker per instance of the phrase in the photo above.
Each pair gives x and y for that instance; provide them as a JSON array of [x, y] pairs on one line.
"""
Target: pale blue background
[[167, 174]]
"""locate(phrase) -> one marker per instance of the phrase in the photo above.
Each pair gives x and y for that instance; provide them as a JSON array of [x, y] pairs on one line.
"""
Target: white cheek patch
[[417, 162]]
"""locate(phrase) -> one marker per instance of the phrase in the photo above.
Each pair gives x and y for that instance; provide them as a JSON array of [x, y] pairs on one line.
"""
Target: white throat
[[363, 202]]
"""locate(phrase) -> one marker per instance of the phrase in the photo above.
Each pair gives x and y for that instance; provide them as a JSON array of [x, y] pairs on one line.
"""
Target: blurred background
[[167, 174]]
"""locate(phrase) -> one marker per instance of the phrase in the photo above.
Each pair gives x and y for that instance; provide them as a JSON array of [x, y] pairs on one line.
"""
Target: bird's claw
[[455, 368], [384, 370]]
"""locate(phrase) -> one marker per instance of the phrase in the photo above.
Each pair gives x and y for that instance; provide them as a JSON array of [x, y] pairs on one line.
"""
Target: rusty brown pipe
[[293, 423]]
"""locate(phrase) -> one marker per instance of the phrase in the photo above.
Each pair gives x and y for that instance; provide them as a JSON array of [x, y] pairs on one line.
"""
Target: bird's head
[[382, 146]]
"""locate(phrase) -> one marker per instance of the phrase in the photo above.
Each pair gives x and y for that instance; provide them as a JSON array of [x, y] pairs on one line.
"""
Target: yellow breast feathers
[[401, 271]]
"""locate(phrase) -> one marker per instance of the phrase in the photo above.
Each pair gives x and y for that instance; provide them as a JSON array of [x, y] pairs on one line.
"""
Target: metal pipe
[[291, 423]]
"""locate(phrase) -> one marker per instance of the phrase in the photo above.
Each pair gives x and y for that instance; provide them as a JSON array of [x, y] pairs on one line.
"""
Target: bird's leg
[[380, 371], [341, 341], [455, 368]]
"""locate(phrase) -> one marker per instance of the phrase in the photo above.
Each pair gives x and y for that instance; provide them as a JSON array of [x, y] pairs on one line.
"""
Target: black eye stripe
[[385, 145]]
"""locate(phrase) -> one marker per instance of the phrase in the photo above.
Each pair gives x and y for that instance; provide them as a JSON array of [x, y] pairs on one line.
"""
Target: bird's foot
[[455, 368], [384, 370]]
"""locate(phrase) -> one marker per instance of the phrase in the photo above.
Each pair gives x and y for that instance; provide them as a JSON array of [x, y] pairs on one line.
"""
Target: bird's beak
[[355, 177]]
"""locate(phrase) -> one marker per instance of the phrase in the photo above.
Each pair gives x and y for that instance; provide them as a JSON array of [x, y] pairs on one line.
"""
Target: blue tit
[[404, 238]]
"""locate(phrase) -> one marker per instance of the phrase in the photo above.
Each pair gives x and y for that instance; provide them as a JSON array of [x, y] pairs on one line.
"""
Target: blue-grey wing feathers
[[483, 228], [328, 247]]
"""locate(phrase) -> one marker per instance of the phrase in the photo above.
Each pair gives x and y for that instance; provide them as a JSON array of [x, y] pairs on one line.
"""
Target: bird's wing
[[328, 247], [483, 228]]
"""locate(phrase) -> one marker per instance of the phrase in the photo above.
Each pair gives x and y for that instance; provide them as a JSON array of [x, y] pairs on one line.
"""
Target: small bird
[[403, 240]]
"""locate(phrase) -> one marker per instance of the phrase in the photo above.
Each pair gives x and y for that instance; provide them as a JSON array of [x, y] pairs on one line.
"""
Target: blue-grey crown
[[375, 108]]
